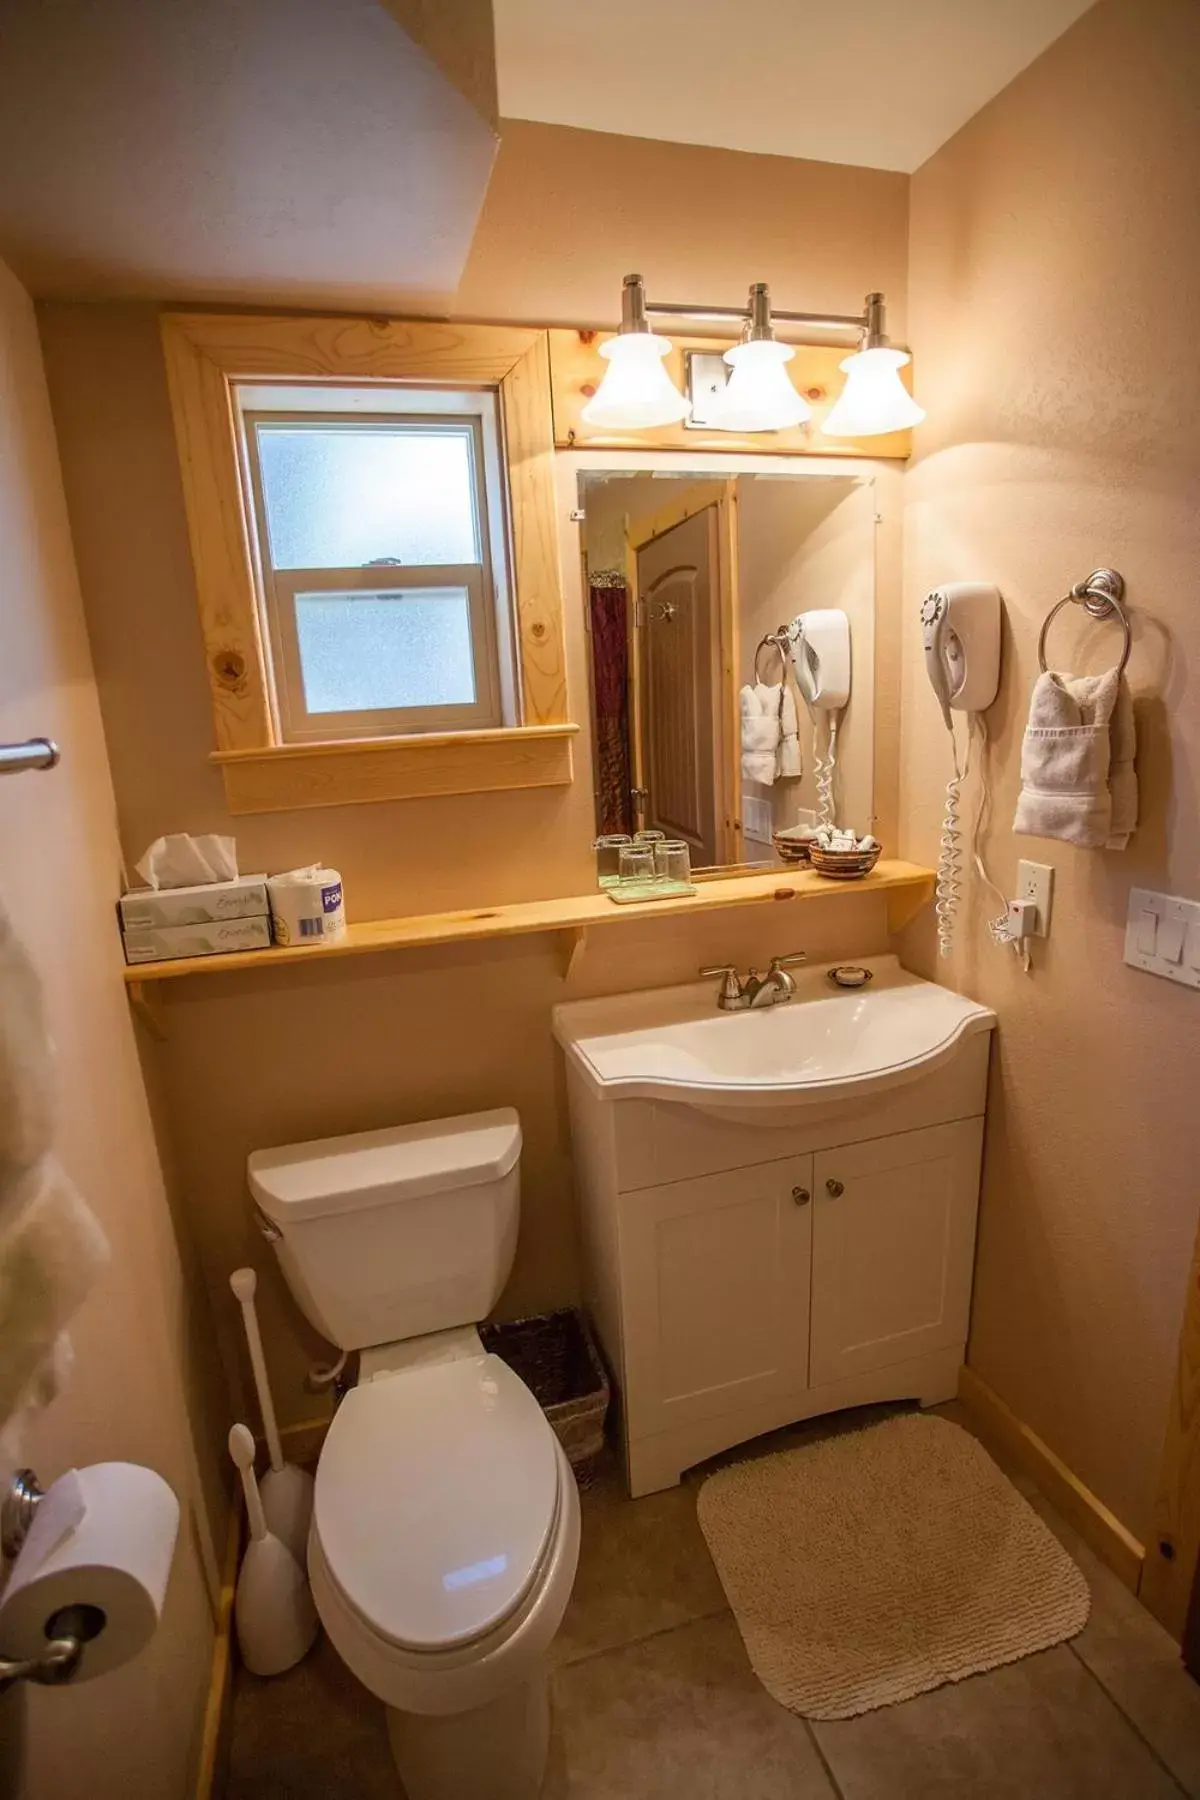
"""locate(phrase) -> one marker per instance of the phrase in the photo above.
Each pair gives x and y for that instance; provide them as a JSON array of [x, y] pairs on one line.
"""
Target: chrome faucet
[[771, 989]]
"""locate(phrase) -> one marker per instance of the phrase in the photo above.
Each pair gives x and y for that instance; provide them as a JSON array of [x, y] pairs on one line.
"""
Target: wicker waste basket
[[556, 1357]]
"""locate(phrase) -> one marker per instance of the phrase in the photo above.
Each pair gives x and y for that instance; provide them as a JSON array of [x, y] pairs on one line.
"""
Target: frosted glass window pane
[[370, 652], [342, 498]]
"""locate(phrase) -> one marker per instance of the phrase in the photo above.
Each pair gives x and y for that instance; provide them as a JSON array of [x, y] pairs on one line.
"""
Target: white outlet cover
[[1035, 881]]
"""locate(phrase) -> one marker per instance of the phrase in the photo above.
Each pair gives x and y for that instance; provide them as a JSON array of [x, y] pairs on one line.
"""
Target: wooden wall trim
[[206, 353], [1173, 1555], [1099, 1528], [214, 1731]]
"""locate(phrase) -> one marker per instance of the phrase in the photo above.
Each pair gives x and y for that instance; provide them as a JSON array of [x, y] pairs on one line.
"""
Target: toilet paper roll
[[102, 1538], [307, 906]]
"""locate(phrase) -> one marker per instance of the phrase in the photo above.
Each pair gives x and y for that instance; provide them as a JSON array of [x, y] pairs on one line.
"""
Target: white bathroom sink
[[827, 1044]]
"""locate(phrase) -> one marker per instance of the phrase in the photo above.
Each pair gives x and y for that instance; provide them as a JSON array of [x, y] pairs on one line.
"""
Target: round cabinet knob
[[834, 1189], [801, 1196]]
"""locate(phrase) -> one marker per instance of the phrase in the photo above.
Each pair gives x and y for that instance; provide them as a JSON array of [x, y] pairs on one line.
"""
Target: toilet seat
[[437, 1503]]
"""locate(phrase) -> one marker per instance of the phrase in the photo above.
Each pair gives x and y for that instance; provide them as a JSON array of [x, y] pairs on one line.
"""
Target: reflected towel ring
[[1100, 595], [776, 640]]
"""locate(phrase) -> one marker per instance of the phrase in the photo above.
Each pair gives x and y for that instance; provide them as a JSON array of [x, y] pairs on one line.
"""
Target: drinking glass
[[608, 859], [636, 863], [673, 861]]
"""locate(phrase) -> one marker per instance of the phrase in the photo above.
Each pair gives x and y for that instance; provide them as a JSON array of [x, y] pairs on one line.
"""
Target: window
[[382, 559], [371, 509]]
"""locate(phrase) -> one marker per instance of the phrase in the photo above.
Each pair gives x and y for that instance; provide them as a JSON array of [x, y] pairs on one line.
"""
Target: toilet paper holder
[[67, 1630]]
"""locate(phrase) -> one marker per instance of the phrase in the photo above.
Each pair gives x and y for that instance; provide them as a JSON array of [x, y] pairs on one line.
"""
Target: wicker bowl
[[844, 865], [791, 849]]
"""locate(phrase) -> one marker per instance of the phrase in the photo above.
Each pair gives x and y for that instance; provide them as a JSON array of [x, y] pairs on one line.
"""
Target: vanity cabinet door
[[893, 1248], [715, 1276]]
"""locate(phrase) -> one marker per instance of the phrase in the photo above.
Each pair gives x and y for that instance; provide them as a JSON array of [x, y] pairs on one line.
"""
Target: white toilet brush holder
[[273, 1608], [287, 1492]]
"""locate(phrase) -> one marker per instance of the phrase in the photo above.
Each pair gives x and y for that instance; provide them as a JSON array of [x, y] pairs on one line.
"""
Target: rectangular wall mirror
[[690, 579]]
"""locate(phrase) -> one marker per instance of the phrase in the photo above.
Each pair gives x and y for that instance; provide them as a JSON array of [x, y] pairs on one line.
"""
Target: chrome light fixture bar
[[637, 393]]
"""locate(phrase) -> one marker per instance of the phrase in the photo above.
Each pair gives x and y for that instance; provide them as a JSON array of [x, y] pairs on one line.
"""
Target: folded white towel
[[51, 1246], [788, 762], [51, 1250], [26, 1111], [1077, 761], [760, 731]]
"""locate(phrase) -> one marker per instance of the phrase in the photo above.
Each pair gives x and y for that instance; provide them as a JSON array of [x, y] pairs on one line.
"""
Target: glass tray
[[636, 893]]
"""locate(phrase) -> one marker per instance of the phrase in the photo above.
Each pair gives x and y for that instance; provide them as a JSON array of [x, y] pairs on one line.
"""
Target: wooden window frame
[[207, 355]]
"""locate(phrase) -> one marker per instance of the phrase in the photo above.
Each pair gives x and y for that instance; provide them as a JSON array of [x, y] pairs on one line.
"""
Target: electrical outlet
[[1035, 881]]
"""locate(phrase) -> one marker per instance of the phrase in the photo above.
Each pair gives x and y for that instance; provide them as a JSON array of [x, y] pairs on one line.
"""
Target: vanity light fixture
[[874, 398], [637, 393], [758, 395]]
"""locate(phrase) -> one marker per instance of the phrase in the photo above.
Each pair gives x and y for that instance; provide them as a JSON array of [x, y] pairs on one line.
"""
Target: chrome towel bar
[[34, 753]]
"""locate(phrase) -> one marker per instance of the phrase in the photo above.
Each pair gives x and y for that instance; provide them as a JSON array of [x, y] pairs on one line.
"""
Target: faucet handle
[[731, 985], [791, 961]]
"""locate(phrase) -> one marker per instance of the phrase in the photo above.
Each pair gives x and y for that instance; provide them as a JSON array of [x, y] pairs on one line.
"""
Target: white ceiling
[[877, 82], [249, 149]]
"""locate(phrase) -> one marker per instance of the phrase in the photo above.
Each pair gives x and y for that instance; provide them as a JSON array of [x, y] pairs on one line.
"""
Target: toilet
[[445, 1528]]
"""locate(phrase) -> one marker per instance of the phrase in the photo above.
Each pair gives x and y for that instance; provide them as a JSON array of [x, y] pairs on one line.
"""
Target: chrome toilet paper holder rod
[[34, 753], [70, 1628]]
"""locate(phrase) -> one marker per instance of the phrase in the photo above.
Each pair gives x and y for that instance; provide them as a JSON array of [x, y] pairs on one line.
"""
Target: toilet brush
[[276, 1618], [287, 1492]]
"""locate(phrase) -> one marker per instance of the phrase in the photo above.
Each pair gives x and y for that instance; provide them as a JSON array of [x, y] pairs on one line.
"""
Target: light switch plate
[[1176, 952], [756, 819]]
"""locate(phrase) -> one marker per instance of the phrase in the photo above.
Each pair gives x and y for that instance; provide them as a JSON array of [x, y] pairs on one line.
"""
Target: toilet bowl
[[445, 1529]]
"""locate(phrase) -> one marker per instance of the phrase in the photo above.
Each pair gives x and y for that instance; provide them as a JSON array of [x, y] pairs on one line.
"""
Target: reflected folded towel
[[760, 707], [1078, 781]]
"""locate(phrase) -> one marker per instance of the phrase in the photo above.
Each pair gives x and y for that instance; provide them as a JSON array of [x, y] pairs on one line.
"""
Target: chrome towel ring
[[1101, 595]]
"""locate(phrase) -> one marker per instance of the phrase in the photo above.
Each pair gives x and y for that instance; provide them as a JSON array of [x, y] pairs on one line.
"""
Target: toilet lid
[[436, 1495]]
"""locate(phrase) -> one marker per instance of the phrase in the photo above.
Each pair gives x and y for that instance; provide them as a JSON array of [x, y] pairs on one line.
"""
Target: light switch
[[1169, 944], [1162, 936], [1145, 934]]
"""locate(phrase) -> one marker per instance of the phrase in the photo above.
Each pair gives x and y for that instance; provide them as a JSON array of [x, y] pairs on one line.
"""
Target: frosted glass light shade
[[759, 396], [874, 399], [636, 391]]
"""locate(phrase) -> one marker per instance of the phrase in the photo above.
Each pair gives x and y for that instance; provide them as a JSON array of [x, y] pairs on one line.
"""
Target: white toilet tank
[[392, 1234]]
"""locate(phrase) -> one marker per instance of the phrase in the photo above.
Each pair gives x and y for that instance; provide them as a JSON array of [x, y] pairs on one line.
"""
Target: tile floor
[[654, 1697]]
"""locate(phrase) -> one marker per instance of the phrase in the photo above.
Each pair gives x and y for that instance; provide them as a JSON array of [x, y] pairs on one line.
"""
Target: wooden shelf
[[908, 888]]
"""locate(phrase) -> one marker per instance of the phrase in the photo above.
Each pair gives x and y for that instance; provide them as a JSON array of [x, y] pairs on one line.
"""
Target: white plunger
[[287, 1492], [276, 1618]]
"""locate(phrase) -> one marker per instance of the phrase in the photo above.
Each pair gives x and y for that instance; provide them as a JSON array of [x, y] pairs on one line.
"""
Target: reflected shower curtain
[[607, 602]]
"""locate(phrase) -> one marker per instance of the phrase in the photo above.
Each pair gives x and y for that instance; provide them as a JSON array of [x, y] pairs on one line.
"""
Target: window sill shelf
[[907, 886], [356, 771]]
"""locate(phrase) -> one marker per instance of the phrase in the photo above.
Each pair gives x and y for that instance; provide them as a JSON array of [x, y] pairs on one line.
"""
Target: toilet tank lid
[[372, 1168]]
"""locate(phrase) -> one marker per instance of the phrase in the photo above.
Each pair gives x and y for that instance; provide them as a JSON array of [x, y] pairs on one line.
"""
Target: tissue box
[[213, 937], [153, 908]]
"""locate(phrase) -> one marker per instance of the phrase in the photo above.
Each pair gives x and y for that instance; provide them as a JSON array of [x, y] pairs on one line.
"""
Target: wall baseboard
[[214, 1736], [1100, 1529]]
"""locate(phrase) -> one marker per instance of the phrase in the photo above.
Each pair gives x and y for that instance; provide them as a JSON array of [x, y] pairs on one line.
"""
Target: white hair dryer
[[819, 642], [961, 627]]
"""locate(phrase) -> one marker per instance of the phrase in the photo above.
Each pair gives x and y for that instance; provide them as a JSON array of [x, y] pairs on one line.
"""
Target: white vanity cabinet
[[751, 1265]]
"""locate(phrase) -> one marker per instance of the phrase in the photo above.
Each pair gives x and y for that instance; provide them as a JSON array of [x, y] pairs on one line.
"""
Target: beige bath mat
[[872, 1566]]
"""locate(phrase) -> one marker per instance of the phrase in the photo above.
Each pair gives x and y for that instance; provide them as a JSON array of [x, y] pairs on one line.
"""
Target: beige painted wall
[[141, 1340], [1055, 262], [568, 213], [250, 1061]]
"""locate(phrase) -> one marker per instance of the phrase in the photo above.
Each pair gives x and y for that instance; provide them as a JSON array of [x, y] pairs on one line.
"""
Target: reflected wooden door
[[677, 666]]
